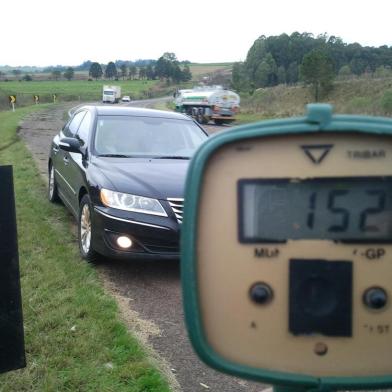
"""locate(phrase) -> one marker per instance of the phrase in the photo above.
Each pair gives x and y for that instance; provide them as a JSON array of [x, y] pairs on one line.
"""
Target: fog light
[[124, 242]]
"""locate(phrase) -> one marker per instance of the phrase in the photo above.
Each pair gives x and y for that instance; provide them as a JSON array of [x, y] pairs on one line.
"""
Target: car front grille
[[177, 206]]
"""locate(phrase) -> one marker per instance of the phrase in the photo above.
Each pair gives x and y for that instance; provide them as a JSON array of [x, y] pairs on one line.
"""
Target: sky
[[52, 32]]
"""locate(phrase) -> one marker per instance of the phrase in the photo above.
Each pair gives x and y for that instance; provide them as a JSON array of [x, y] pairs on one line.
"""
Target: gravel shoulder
[[148, 293]]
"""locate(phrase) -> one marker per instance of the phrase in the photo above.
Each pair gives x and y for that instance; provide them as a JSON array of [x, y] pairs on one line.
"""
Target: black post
[[12, 355]]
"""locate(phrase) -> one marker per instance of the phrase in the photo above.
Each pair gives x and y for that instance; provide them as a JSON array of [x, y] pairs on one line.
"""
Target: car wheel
[[199, 118], [85, 228], [52, 187], [218, 121]]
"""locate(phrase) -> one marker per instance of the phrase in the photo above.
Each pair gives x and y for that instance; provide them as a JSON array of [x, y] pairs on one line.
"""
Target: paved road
[[151, 289]]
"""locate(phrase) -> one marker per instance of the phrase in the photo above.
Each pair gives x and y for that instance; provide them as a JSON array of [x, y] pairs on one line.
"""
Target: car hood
[[156, 178]]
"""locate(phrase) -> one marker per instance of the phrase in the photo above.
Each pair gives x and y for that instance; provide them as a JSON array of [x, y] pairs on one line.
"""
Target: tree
[[239, 78], [27, 78], [142, 73], [255, 56], [16, 72], [111, 70], [162, 68], [292, 73], [150, 74], [95, 71], [176, 73], [170, 57], [186, 73], [317, 70], [281, 75], [168, 67], [266, 72], [69, 73], [124, 71], [261, 75], [382, 72], [344, 72], [56, 74], [288, 51], [132, 71], [358, 64], [85, 66]]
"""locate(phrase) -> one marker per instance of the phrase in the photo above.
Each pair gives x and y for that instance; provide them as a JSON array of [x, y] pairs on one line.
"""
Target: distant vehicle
[[111, 94], [126, 98], [208, 103], [121, 172]]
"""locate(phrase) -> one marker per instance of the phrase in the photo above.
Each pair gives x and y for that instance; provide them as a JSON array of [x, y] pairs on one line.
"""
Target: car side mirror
[[70, 144]]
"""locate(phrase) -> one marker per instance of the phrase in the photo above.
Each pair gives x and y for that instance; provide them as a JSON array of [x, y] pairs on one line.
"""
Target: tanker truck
[[208, 103]]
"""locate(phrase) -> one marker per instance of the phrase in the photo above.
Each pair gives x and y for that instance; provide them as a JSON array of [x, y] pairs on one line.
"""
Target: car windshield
[[147, 136], [108, 92]]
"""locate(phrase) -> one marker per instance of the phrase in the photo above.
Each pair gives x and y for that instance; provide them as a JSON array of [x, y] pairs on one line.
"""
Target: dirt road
[[149, 293]]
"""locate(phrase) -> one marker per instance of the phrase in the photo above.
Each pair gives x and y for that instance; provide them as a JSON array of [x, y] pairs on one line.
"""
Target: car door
[[77, 163], [62, 170]]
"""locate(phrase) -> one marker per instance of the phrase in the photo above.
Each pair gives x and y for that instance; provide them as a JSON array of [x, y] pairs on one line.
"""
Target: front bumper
[[152, 237]]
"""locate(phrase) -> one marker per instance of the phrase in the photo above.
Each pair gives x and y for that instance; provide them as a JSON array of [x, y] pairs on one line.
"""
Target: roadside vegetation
[[301, 57], [200, 70], [74, 90], [281, 74], [73, 336], [151, 78], [366, 95]]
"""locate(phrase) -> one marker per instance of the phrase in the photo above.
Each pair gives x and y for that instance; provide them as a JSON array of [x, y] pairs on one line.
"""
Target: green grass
[[73, 90], [245, 118], [359, 96], [204, 69], [74, 339]]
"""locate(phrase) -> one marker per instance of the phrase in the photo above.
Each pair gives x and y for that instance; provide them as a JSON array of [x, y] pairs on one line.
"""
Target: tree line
[[302, 57], [167, 67]]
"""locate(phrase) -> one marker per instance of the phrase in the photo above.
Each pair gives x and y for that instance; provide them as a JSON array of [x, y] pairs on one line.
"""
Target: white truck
[[208, 103], [111, 94]]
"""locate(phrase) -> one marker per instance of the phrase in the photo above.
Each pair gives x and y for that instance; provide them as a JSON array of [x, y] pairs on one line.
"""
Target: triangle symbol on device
[[317, 152]]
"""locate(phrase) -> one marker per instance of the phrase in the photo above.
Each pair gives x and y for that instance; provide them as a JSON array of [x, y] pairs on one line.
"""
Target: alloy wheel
[[85, 229]]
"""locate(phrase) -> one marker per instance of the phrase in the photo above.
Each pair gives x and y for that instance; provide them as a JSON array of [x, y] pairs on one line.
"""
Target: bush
[[386, 102], [360, 105]]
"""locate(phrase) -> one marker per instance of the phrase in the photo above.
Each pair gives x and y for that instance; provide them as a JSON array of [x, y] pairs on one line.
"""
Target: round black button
[[375, 298], [261, 293]]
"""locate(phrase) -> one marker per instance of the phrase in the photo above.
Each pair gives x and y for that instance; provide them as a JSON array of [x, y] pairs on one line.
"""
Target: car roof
[[133, 111]]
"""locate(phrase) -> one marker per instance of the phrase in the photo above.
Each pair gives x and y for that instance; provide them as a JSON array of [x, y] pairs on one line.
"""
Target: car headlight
[[128, 202]]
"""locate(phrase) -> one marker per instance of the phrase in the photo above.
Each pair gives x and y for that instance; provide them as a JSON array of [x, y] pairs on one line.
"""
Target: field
[[199, 70], [74, 338], [74, 90], [80, 89]]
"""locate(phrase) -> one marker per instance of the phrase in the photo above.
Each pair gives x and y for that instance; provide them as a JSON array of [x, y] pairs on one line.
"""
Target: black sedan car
[[121, 172]]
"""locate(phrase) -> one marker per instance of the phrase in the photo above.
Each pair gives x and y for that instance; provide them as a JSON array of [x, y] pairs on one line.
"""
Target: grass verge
[[74, 339], [246, 118], [358, 96], [74, 90]]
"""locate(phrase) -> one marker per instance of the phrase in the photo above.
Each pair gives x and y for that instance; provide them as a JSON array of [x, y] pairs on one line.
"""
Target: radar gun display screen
[[346, 209]]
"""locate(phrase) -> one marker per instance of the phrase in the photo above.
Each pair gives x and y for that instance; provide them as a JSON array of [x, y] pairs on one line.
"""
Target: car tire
[[53, 194], [199, 118], [85, 228]]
